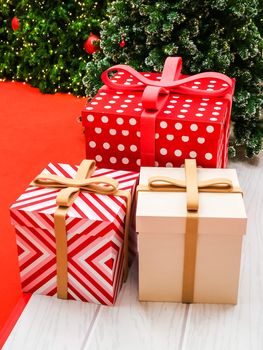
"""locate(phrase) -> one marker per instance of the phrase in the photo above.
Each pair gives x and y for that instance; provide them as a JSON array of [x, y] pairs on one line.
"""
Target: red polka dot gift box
[[151, 119]]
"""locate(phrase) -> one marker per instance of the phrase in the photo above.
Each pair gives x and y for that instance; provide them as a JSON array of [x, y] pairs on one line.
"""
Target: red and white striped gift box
[[95, 232]]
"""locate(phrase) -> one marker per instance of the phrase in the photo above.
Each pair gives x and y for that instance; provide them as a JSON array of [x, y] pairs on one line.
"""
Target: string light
[[38, 43]]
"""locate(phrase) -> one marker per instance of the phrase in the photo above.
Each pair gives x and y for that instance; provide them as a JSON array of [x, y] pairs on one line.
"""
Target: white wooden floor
[[52, 324]]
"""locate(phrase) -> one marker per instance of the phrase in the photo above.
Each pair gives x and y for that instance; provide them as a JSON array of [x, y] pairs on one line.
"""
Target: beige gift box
[[161, 225]]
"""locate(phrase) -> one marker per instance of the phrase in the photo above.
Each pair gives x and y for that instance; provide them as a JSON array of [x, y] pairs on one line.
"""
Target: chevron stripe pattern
[[95, 233]]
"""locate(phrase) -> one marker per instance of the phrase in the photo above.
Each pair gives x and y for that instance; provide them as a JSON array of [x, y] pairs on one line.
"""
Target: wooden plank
[[48, 323], [13, 318], [240, 327], [134, 325]]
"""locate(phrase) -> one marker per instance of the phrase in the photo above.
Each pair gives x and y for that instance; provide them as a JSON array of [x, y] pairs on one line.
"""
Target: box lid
[[219, 213], [36, 206], [126, 106]]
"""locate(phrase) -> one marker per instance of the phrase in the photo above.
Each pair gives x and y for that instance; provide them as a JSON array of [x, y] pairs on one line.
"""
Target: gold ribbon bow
[[65, 198], [191, 186]]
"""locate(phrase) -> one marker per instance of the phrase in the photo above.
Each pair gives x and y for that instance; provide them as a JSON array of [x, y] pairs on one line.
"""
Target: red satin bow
[[155, 94], [170, 82]]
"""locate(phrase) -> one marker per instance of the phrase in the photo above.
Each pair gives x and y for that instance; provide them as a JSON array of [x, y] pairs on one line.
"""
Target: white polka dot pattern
[[104, 119], [98, 130], [113, 132], [178, 153], [201, 140], [106, 145], [90, 118], [125, 160], [210, 128], [187, 126], [133, 148], [208, 156], [98, 158], [121, 147], [163, 125], [163, 151], [120, 121], [194, 127], [92, 144]]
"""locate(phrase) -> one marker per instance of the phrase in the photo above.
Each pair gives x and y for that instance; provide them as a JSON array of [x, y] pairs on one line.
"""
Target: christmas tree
[[46, 48], [220, 35]]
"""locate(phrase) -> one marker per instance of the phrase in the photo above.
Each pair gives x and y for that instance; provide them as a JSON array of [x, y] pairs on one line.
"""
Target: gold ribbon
[[65, 198], [192, 187]]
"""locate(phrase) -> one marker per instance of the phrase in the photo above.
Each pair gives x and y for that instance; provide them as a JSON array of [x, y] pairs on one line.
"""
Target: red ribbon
[[155, 94]]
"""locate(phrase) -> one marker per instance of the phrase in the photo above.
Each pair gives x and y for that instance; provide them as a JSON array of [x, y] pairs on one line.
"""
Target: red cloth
[[35, 129]]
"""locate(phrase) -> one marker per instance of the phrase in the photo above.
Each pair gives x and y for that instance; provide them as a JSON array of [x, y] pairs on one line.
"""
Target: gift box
[[152, 119], [72, 225], [190, 225]]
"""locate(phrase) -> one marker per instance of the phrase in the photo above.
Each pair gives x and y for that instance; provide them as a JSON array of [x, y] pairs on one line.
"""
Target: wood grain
[[239, 327], [134, 325], [51, 324]]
